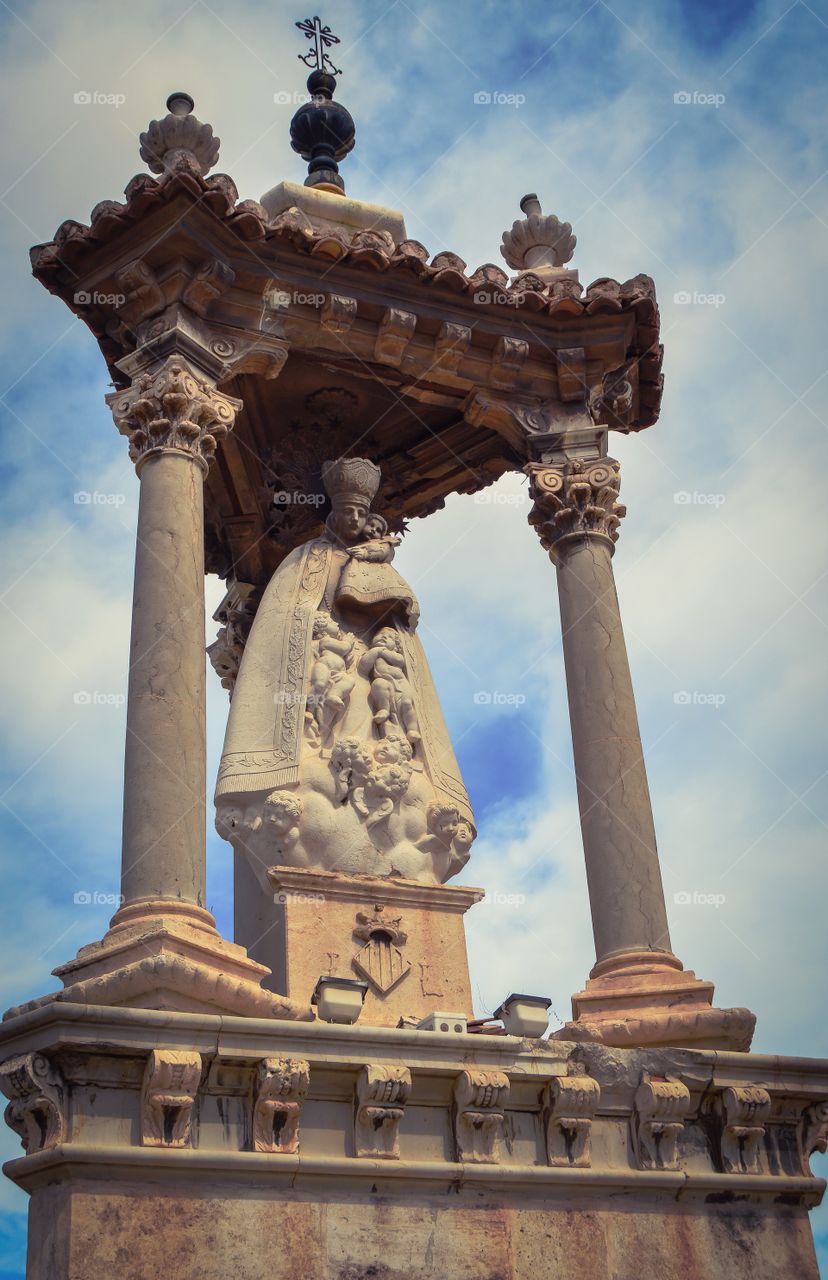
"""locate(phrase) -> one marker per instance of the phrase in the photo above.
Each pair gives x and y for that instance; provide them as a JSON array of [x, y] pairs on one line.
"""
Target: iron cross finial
[[322, 37]]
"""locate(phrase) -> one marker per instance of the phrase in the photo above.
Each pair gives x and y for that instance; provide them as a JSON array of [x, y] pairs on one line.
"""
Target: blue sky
[[722, 197]]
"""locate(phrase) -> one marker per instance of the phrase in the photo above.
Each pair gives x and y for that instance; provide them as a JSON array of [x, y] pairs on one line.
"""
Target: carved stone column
[[173, 419], [162, 950], [638, 991]]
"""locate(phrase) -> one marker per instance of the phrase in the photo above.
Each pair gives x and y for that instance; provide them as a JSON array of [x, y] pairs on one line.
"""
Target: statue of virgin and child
[[336, 755]]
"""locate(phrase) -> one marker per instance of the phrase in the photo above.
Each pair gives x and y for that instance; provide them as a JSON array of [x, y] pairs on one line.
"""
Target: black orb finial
[[322, 131]]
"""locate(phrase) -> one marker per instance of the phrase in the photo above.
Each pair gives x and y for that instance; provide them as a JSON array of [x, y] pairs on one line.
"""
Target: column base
[[166, 954], [643, 998]]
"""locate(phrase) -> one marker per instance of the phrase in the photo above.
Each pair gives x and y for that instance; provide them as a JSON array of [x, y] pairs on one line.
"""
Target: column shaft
[[164, 773], [623, 874]]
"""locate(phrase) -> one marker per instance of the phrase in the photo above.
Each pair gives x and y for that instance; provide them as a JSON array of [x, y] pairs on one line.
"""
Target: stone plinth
[[324, 210], [404, 938], [152, 1150], [648, 998]]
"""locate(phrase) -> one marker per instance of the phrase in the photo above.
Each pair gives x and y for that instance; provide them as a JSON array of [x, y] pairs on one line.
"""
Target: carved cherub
[[375, 800], [461, 846], [330, 682], [282, 811], [391, 697], [393, 749], [350, 765], [449, 840]]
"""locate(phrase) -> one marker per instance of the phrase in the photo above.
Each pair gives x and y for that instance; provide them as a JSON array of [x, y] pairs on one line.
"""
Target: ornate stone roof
[[58, 263]]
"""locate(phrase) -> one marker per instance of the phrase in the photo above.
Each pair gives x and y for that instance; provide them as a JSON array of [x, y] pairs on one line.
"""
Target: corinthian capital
[[575, 499], [173, 408]]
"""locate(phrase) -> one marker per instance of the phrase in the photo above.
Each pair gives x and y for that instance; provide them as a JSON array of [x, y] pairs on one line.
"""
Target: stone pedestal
[[204, 1147], [404, 938]]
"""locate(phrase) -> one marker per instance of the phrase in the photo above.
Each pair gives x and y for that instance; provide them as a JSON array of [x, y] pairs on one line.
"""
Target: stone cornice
[[541, 333], [510, 1084], [81, 1160]]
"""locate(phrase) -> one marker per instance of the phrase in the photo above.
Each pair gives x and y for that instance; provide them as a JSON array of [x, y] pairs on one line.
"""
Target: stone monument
[[296, 379]]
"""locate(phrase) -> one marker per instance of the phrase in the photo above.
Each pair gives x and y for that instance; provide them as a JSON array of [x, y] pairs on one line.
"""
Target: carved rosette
[[36, 1100], [381, 1095], [171, 1081], [479, 1099], [658, 1121], [173, 408], [569, 1104], [280, 1086], [575, 500]]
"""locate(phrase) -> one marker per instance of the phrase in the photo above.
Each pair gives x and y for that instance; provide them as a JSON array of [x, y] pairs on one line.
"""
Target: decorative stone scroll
[[171, 1081], [395, 332], [658, 1120], [173, 408], [744, 1111], [381, 1095], [479, 1099], [812, 1134], [36, 1107], [576, 499], [280, 1086], [569, 1105]]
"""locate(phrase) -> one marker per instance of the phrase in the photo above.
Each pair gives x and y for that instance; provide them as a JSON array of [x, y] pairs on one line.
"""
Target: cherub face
[[464, 837], [386, 637], [279, 820], [374, 526]]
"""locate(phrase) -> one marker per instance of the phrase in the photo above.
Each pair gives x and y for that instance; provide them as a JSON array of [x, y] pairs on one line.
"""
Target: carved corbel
[[812, 1134], [279, 1088], [515, 420], [171, 1081], [658, 1120], [36, 1101], [743, 1112], [211, 280], [144, 296], [395, 332], [450, 345], [381, 1095], [338, 313], [479, 1100], [265, 355], [569, 1105], [507, 359], [612, 403], [572, 374]]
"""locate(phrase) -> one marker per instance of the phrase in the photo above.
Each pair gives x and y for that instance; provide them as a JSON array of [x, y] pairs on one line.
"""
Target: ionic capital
[[575, 499], [173, 407]]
